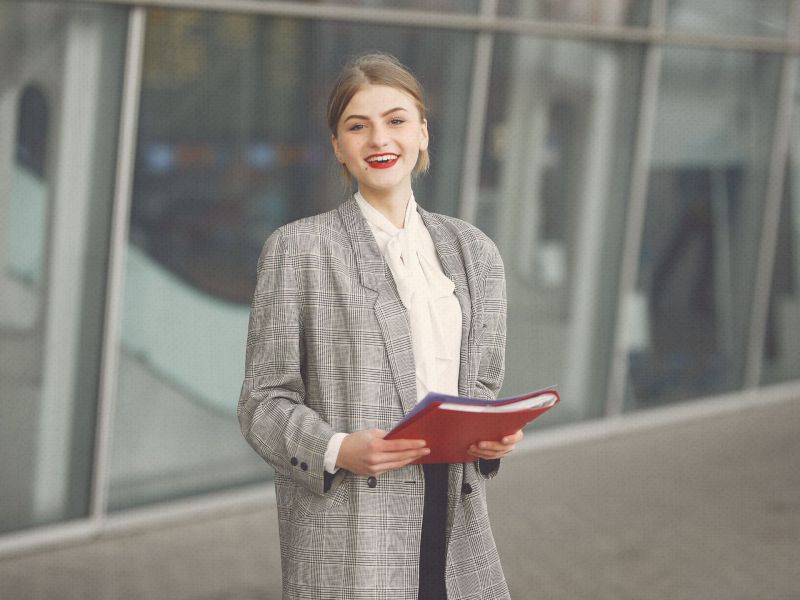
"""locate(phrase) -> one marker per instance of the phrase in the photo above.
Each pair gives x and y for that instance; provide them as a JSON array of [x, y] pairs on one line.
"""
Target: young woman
[[357, 314]]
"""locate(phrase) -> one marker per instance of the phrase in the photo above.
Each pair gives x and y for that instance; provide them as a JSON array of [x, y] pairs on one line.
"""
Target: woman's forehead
[[371, 100]]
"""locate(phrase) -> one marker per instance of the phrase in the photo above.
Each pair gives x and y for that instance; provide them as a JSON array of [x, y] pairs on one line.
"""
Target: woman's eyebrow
[[391, 110]]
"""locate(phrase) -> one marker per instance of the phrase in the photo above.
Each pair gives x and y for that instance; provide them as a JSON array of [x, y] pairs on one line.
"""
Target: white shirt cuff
[[332, 453]]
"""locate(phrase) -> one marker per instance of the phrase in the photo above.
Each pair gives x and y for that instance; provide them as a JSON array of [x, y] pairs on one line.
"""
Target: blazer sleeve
[[491, 369], [272, 410]]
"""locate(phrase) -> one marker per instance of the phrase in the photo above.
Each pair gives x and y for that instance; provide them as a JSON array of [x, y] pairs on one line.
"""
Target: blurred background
[[636, 161]]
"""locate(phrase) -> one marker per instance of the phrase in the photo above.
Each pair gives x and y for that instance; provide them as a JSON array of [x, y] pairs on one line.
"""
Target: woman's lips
[[382, 161]]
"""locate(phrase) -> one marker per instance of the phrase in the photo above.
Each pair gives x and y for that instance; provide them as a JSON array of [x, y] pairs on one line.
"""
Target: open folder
[[451, 424]]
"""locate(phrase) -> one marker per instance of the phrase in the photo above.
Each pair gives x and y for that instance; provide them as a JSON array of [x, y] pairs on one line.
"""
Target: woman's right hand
[[367, 453]]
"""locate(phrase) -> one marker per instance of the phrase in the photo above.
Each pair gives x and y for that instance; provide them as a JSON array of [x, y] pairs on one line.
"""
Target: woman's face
[[378, 139]]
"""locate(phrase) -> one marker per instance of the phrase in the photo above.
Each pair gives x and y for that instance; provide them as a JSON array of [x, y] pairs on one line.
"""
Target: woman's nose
[[378, 136]]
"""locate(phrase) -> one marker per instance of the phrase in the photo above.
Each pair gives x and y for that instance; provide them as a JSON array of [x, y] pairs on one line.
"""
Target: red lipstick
[[382, 161]]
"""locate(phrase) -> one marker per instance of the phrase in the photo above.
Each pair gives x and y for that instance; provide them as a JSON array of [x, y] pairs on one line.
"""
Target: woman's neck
[[392, 207]]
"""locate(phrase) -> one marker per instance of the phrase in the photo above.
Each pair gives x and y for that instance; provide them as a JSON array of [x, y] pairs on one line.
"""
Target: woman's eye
[[357, 127], [397, 121]]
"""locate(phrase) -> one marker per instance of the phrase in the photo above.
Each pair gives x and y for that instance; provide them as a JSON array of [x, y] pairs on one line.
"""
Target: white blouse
[[426, 292]]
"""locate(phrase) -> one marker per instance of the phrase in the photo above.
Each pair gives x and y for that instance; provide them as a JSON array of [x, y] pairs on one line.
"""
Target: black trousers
[[432, 549]]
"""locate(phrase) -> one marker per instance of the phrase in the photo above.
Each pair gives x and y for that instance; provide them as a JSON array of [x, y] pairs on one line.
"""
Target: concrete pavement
[[702, 509]]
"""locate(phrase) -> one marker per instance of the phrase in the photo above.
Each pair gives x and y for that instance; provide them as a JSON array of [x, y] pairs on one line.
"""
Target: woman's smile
[[382, 161]]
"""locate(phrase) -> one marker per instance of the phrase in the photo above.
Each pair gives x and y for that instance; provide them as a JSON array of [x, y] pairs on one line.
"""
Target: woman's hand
[[492, 450], [367, 453]]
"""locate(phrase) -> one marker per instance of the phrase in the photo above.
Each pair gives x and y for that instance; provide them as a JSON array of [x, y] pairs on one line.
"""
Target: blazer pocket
[[308, 506], [335, 498], [397, 502]]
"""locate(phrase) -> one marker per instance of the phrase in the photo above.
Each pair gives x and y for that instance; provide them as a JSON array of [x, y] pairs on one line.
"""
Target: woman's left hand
[[492, 450]]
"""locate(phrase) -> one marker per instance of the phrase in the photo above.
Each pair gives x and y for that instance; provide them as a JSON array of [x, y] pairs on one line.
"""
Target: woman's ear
[[423, 144], [335, 144]]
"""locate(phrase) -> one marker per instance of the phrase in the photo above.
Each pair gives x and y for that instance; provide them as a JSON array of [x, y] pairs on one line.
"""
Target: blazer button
[[466, 489], [371, 481], [294, 461], [304, 466]]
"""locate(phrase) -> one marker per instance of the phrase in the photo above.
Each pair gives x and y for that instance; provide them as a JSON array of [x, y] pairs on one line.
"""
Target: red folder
[[451, 424]]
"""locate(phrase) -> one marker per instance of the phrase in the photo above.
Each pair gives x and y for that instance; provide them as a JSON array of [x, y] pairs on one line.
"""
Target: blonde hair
[[375, 69]]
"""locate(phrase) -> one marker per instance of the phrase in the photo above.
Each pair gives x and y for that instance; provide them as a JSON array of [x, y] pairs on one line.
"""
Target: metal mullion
[[17, 542], [118, 244], [765, 261], [476, 118], [238, 500], [258, 496], [637, 206], [474, 22]]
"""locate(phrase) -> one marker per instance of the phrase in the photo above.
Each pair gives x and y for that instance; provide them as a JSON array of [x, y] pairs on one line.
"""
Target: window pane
[[740, 17], [232, 144], [60, 70], [782, 343], [554, 184], [594, 12], [705, 201]]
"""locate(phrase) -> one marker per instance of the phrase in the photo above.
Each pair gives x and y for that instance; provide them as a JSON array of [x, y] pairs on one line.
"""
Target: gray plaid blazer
[[329, 349]]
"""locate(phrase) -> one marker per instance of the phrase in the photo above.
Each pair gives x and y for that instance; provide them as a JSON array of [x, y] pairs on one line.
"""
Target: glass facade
[[456, 6], [764, 18], [707, 184], [602, 13], [781, 352], [537, 139], [60, 83], [560, 131]]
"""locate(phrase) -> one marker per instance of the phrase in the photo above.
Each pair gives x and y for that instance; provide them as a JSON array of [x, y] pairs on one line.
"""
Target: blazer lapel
[[389, 310], [452, 261]]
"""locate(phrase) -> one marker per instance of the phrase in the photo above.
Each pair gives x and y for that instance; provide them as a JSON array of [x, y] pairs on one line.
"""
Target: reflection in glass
[[735, 17], [60, 71], [781, 360], [707, 180], [554, 179], [232, 144]]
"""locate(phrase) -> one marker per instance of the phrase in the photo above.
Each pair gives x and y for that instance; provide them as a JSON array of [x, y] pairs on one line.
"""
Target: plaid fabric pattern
[[329, 349]]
